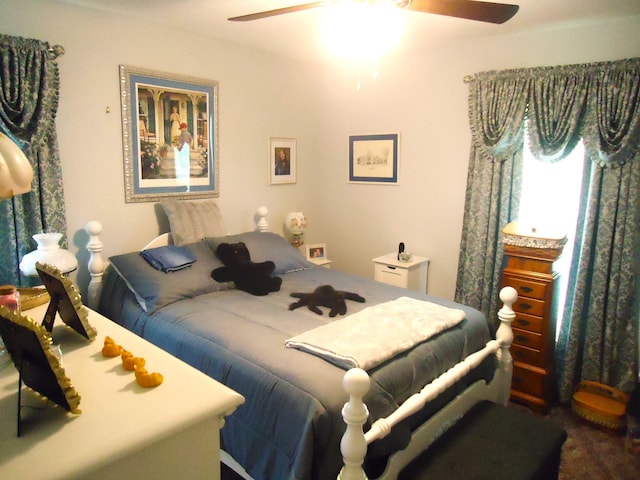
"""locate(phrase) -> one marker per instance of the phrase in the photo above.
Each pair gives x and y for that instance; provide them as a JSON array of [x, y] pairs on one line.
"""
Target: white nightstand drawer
[[412, 274], [391, 275]]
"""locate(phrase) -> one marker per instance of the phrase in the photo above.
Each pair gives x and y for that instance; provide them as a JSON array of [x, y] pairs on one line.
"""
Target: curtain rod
[[56, 51]]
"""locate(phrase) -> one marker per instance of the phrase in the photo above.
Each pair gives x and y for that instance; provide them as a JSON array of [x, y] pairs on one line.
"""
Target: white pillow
[[192, 220]]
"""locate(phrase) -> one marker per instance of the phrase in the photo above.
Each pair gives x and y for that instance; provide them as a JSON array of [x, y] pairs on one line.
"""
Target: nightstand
[[411, 274], [124, 430], [322, 262]]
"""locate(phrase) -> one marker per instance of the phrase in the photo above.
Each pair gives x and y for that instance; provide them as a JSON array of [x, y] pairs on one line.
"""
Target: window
[[550, 199]]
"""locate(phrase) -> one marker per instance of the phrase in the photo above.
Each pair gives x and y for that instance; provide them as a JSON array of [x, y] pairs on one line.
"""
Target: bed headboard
[[161, 240], [97, 263]]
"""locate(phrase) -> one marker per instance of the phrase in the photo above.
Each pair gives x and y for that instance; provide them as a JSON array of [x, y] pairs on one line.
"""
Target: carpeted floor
[[590, 453]]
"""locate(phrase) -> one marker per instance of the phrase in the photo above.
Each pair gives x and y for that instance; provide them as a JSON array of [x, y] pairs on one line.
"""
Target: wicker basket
[[600, 404]]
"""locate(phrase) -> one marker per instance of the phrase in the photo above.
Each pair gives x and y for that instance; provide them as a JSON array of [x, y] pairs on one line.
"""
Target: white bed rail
[[356, 383]]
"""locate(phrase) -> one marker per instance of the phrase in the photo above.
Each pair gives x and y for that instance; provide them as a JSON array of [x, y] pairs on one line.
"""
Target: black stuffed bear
[[254, 278], [325, 296]]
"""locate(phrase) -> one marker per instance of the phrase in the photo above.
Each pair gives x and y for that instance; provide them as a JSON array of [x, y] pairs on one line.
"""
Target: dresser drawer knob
[[526, 289], [522, 338], [523, 322], [525, 306]]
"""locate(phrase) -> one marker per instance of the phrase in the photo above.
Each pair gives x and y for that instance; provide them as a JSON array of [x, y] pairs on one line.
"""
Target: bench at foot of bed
[[492, 442]]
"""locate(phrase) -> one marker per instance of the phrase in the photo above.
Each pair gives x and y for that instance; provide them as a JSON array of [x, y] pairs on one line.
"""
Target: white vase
[[48, 252]]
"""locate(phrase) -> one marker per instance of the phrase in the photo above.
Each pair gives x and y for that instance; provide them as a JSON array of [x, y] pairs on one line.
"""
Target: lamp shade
[[296, 222], [48, 252], [15, 170]]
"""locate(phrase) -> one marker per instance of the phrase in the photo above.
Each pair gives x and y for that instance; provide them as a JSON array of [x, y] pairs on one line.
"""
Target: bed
[[298, 400]]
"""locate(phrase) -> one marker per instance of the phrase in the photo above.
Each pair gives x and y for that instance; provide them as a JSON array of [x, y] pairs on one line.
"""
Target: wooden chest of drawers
[[530, 271]]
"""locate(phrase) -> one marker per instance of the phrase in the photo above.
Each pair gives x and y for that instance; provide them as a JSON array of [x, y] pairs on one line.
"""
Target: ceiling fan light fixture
[[362, 31]]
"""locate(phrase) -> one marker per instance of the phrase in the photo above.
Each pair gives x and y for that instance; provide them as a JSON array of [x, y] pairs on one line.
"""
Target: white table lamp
[[48, 252], [295, 223]]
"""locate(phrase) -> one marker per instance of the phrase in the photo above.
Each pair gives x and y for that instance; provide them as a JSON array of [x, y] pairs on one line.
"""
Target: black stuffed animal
[[325, 296], [254, 278]]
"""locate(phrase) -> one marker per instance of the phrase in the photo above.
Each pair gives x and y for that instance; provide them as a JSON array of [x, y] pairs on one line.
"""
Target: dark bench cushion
[[492, 442]]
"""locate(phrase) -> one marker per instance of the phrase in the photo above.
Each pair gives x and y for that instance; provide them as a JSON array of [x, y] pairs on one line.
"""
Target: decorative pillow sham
[[154, 289], [170, 258], [265, 246], [193, 220]]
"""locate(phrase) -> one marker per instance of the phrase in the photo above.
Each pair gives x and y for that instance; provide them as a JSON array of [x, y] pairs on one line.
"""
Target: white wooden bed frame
[[356, 382]]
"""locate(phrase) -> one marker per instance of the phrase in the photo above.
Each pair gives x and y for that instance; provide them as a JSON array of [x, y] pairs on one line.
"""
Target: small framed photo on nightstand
[[317, 252]]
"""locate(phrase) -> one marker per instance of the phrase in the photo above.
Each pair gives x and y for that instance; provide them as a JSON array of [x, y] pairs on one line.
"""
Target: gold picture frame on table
[[28, 345], [65, 301]]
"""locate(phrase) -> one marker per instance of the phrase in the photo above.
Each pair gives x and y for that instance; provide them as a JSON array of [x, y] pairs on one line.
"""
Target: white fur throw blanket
[[377, 333]]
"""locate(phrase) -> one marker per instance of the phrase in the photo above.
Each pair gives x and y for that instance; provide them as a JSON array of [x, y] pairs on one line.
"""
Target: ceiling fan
[[469, 9]]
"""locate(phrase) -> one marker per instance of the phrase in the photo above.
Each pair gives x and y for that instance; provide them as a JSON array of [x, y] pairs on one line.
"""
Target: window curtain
[[600, 104], [29, 89]]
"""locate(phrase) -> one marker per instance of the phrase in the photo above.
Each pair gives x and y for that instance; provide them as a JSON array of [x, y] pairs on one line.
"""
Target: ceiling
[[297, 34]]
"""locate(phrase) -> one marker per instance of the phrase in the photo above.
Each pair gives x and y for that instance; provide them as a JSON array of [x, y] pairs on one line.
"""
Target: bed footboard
[[356, 383]]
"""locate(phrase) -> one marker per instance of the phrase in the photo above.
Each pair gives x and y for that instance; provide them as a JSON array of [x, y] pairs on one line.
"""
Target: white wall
[[424, 99], [259, 96]]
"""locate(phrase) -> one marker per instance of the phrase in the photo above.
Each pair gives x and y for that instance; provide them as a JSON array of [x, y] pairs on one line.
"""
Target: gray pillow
[[193, 220], [265, 246], [154, 289]]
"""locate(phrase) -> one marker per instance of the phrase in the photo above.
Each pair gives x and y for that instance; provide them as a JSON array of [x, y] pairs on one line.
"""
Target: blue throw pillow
[[170, 258], [154, 289]]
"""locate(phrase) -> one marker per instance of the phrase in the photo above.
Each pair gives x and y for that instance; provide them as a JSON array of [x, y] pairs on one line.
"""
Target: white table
[[125, 431]]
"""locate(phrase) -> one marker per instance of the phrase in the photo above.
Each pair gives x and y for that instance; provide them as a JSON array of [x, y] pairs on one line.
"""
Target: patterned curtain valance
[[29, 95], [28, 90], [598, 102], [497, 108]]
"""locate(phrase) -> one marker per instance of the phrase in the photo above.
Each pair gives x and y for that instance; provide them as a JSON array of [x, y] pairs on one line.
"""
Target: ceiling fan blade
[[470, 9], [277, 11]]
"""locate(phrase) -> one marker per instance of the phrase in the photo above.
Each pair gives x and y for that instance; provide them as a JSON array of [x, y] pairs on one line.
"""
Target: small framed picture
[[374, 158], [317, 252], [282, 160]]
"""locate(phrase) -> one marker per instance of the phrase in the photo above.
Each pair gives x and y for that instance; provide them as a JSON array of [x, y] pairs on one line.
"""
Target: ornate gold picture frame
[[28, 345]]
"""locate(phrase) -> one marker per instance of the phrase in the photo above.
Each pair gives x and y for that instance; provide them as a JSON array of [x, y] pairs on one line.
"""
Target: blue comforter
[[291, 425]]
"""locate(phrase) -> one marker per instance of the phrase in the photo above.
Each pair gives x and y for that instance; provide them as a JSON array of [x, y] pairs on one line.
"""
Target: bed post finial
[[262, 224], [353, 445], [96, 264], [504, 335]]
